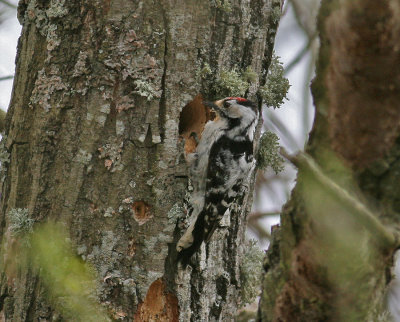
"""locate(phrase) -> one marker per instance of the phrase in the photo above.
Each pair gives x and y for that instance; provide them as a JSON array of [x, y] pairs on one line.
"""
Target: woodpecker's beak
[[210, 104], [220, 103], [214, 106]]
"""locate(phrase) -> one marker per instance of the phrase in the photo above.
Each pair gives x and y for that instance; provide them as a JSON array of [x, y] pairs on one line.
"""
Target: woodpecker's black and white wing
[[227, 176]]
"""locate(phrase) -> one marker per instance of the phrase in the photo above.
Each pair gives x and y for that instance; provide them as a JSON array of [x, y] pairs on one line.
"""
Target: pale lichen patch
[[106, 108], [57, 9], [174, 214], [45, 86], [104, 256], [44, 21], [204, 71], [276, 86], [101, 119], [224, 5], [112, 153], [83, 157], [20, 221], [109, 212], [89, 117], [250, 272], [80, 65], [53, 41], [132, 247], [147, 89], [269, 153], [119, 127]]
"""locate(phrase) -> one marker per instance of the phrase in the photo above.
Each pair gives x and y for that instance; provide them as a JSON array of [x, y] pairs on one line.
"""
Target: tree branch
[[364, 215], [8, 4], [8, 76]]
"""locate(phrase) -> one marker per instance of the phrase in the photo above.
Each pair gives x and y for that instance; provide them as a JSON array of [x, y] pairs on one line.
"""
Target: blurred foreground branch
[[71, 284], [386, 238]]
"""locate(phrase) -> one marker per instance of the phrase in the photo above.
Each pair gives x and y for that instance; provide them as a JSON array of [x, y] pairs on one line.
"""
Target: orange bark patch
[[158, 305], [193, 118], [106, 7], [108, 163], [141, 212]]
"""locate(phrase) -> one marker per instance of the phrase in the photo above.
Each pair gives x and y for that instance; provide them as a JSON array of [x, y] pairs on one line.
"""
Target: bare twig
[[6, 77], [260, 215], [300, 54], [282, 128], [259, 230], [8, 4], [304, 14]]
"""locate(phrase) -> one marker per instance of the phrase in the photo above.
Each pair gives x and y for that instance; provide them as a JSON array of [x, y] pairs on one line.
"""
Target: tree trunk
[[93, 136], [331, 258]]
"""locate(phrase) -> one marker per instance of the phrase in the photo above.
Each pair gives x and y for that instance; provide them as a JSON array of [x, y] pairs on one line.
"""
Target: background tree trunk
[[325, 263], [93, 140]]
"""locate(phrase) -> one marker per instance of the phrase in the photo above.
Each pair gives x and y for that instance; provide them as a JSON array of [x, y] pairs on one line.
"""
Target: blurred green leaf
[[70, 282]]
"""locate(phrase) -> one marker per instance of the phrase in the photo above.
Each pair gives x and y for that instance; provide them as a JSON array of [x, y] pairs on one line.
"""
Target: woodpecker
[[220, 169]]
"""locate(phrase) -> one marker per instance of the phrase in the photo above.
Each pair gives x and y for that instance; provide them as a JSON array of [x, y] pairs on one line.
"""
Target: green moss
[[250, 75], [224, 5], [276, 13], [2, 120], [57, 9], [231, 83], [204, 71], [276, 86], [268, 153], [4, 158], [250, 272], [385, 316], [20, 221]]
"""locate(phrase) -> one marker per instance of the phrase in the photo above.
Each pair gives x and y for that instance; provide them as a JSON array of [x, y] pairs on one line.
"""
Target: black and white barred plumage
[[220, 169]]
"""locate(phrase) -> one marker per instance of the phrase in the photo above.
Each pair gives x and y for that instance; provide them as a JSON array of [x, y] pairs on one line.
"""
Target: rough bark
[[93, 137], [356, 94]]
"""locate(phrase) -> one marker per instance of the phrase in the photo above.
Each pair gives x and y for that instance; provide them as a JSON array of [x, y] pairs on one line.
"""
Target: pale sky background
[[289, 41], [9, 33]]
